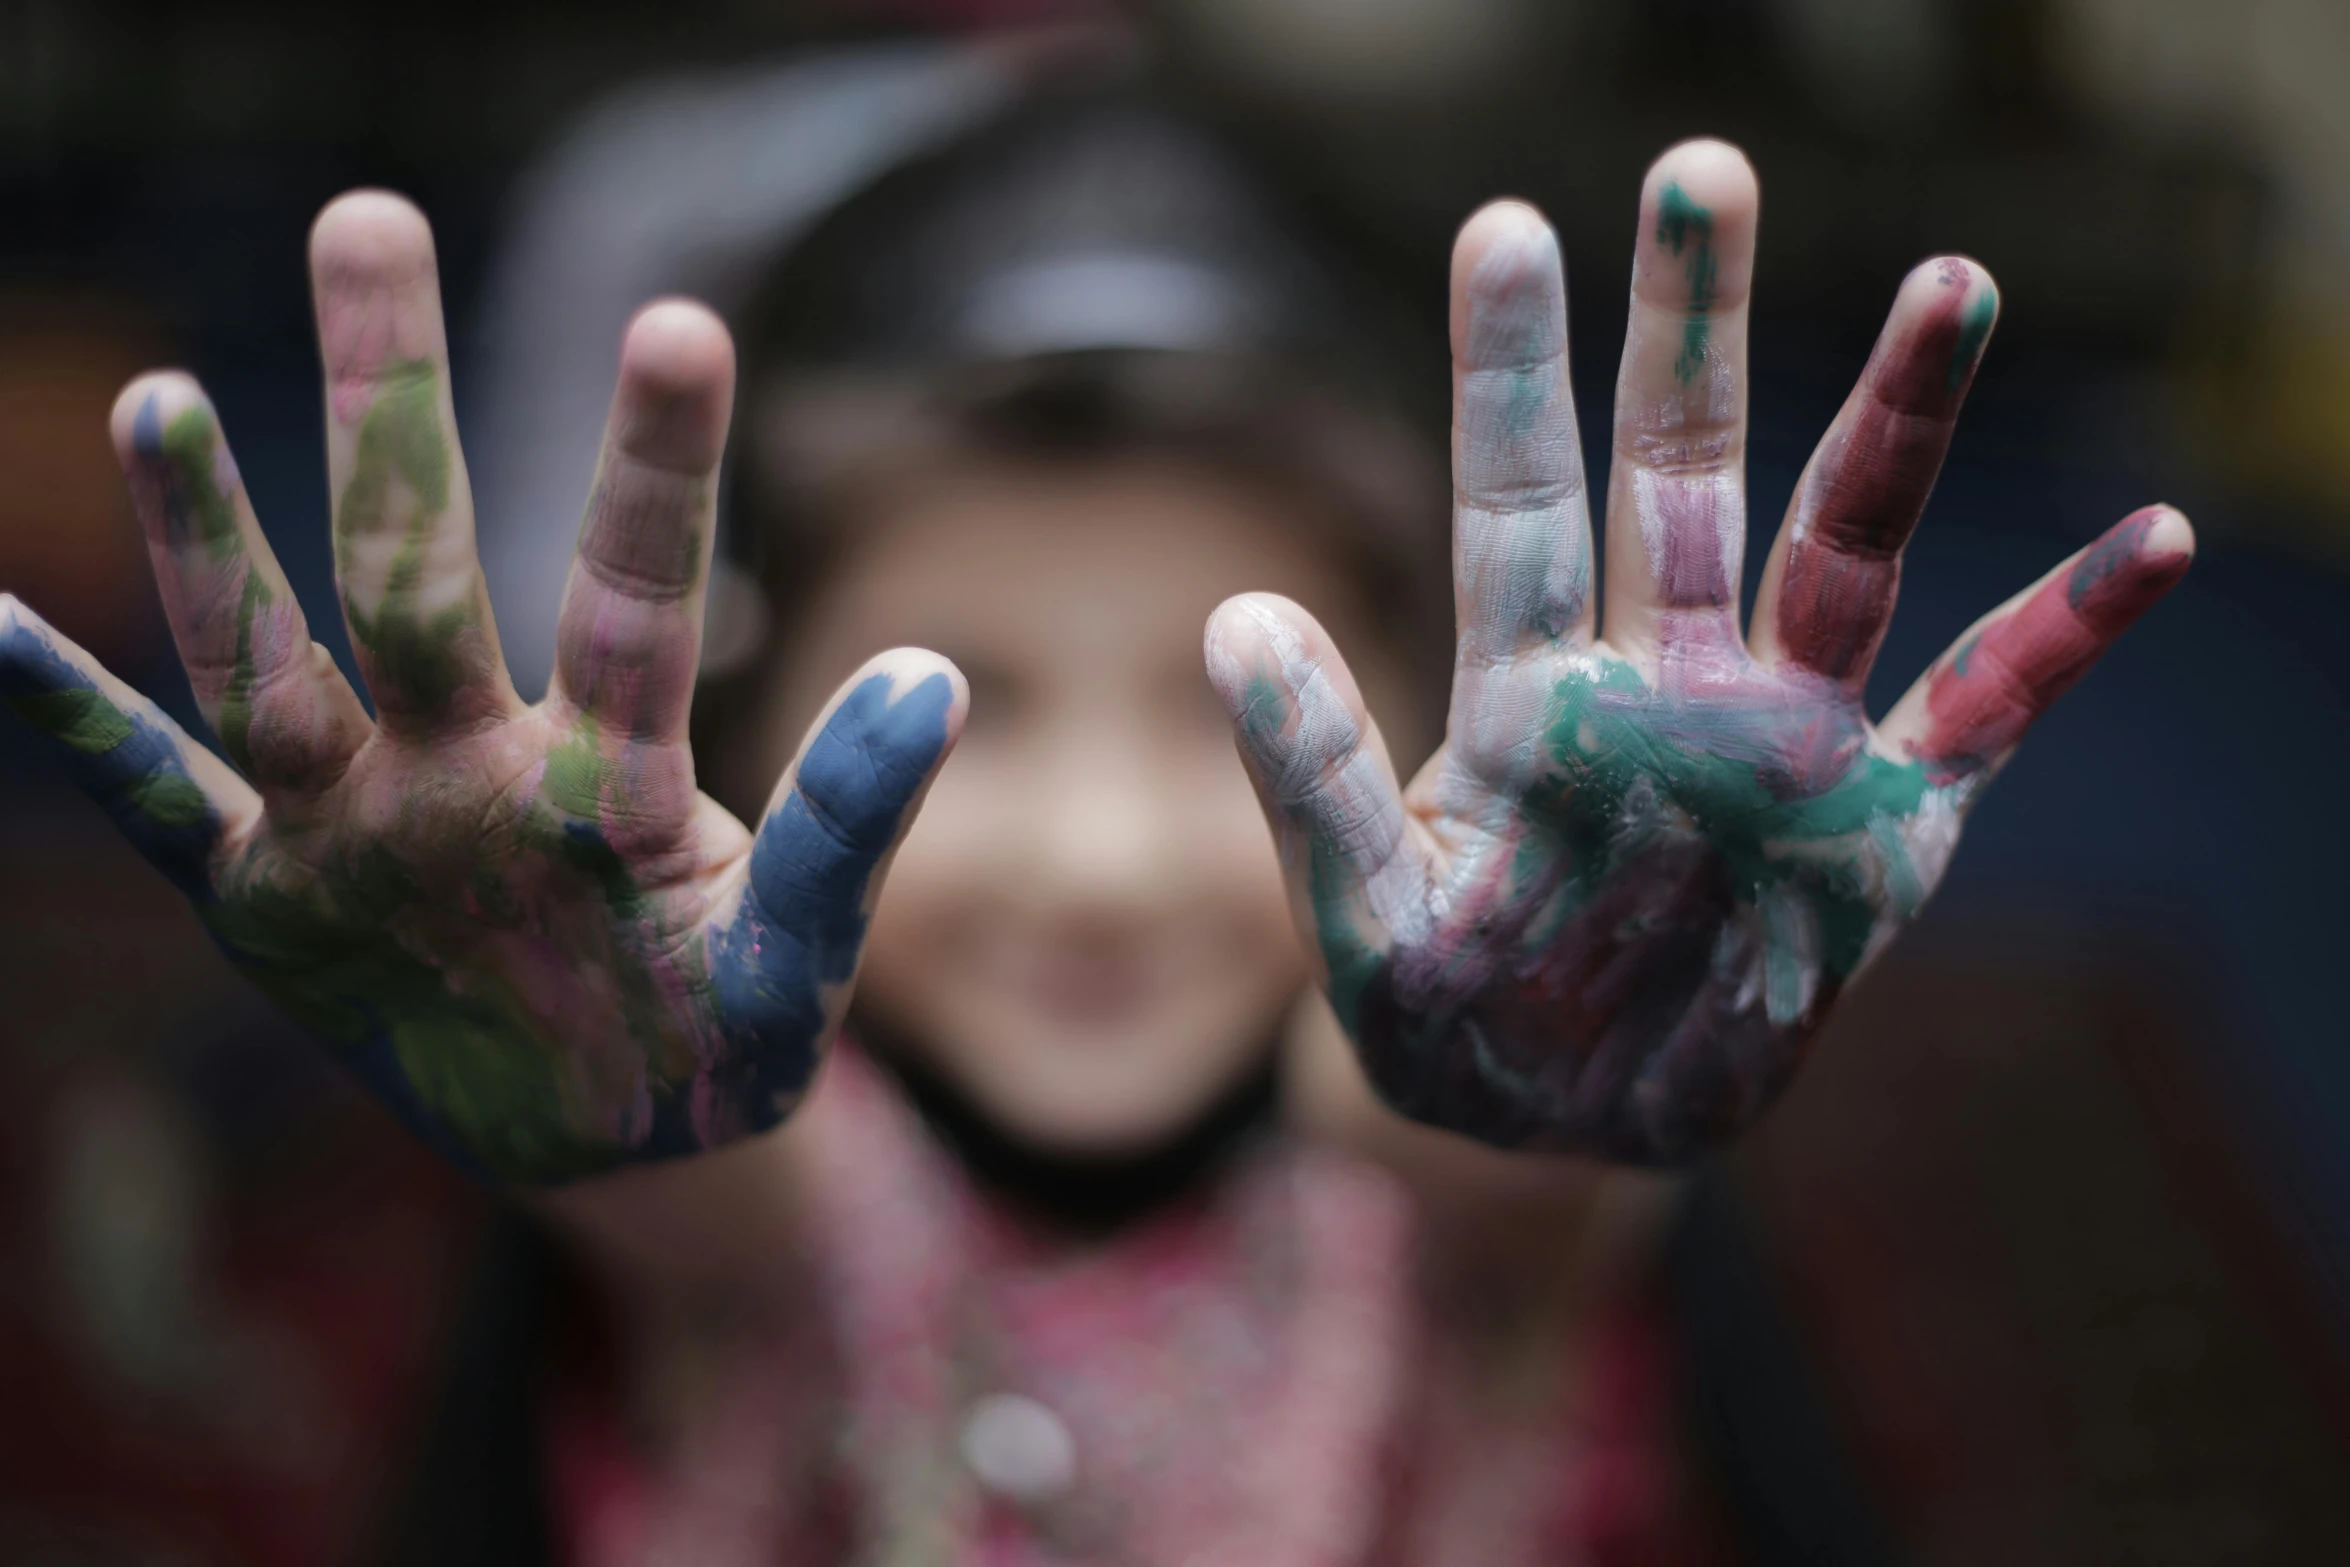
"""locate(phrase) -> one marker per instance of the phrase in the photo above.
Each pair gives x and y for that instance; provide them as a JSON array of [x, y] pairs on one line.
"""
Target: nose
[[1103, 822]]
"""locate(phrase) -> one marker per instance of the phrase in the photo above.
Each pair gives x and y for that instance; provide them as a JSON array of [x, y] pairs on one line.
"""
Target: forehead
[[1047, 559]]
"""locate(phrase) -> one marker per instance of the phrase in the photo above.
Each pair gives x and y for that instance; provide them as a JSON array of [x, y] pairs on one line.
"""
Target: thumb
[[782, 969], [1328, 788]]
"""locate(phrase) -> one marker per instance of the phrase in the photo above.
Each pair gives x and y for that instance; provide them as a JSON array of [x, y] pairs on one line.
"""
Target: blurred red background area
[[67, 540], [226, 1274]]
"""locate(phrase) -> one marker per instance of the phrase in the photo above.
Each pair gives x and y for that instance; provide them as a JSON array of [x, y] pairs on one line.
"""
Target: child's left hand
[[1612, 910]]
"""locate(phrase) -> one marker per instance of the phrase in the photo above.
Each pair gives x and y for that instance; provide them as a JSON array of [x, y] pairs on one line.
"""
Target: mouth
[[1082, 990]]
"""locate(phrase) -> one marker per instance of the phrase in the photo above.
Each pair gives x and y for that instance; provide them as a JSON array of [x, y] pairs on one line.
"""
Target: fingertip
[[1258, 634], [1508, 286], [149, 405], [1247, 621], [1507, 232], [1953, 278], [1239, 612], [371, 230], [2168, 533], [678, 346], [19, 621], [676, 391], [929, 680], [1698, 210], [1709, 173]]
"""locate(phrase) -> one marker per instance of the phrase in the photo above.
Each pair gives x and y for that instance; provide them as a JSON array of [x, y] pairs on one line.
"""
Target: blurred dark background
[[2059, 1226]]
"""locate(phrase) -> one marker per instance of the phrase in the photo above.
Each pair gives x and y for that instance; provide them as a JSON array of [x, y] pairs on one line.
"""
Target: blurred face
[[1086, 931]]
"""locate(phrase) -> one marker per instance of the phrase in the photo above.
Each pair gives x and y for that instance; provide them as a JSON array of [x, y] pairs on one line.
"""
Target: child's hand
[[1613, 909], [523, 926]]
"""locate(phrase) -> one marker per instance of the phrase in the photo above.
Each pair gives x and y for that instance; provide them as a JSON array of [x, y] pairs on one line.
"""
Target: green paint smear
[[169, 798], [401, 442], [471, 1050], [1973, 328], [190, 443], [464, 1040], [85, 719], [235, 723], [1688, 230], [81, 717], [578, 774]]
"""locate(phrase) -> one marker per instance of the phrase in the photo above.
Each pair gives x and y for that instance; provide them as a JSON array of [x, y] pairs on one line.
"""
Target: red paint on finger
[[1864, 494], [1981, 701]]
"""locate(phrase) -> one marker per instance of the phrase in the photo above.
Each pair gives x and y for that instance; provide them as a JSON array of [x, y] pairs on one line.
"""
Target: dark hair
[[1090, 278]]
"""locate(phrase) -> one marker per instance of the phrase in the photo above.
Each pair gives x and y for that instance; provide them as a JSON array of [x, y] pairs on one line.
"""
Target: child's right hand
[[522, 925]]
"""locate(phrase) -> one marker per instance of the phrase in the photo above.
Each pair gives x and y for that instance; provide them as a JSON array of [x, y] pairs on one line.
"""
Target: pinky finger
[[173, 799], [1965, 717]]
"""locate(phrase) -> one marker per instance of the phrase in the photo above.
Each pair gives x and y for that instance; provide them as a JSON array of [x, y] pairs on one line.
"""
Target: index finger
[[411, 583], [1521, 521]]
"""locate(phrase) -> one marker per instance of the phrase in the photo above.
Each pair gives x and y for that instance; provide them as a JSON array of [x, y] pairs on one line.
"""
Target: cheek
[[950, 869], [1231, 848]]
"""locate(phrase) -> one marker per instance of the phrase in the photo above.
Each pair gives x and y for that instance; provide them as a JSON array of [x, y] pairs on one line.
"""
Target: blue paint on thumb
[[802, 922]]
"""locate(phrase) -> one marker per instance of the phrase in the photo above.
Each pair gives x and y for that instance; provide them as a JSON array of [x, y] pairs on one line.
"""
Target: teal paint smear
[[1607, 747], [1973, 328], [1687, 229]]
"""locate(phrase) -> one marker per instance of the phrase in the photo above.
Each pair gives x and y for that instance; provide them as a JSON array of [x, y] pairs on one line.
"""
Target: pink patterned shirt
[[1242, 1377]]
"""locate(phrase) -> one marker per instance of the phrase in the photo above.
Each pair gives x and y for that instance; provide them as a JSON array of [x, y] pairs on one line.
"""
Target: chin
[[1098, 1093]]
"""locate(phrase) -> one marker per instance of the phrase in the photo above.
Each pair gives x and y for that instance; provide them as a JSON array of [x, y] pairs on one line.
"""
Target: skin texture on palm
[[1614, 908], [523, 926]]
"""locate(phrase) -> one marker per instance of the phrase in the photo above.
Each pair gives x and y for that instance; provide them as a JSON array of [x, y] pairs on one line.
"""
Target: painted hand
[[523, 926], [1615, 906]]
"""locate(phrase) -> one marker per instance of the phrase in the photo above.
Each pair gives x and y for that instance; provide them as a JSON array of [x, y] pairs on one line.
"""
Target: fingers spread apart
[[1828, 591], [404, 556], [1965, 717]]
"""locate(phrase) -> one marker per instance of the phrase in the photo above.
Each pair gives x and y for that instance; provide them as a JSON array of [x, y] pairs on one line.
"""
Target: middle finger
[[404, 557], [1676, 507]]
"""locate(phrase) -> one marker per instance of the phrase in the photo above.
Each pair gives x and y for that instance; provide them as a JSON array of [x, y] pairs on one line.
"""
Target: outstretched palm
[[522, 925], [1612, 910]]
